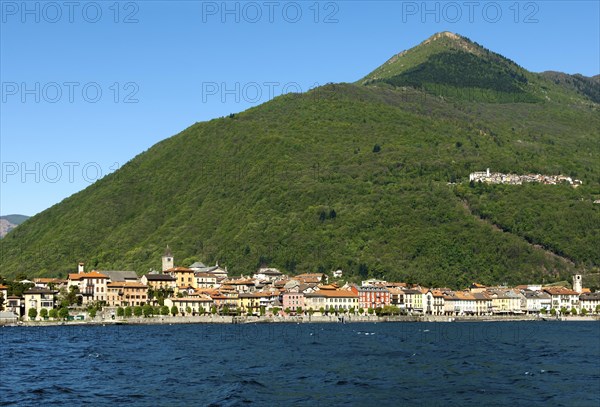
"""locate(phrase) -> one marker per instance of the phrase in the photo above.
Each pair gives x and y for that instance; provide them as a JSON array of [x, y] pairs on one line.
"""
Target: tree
[[147, 310], [573, 311], [128, 312], [275, 310], [564, 311], [598, 309], [32, 313], [351, 310], [370, 311], [553, 312], [138, 311], [288, 310], [174, 310], [543, 311], [213, 310], [120, 312], [164, 310], [584, 311], [44, 313], [188, 310], [376, 148], [322, 216], [53, 313], [63, 313], [332, 214], [92, 312], [263, 310], [298, 310], [322, 310], [1, 301], [361, 311]]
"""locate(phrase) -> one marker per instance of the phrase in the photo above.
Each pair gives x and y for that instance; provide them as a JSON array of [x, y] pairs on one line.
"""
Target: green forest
[[368, 177]]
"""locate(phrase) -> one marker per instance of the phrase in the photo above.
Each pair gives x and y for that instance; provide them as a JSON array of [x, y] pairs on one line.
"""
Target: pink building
[[293, 300]]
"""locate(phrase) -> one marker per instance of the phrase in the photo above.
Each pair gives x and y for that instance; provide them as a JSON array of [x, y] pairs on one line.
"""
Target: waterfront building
[[293, 300], [38, 298], [371, 296], [433, 302], [126, 294], [590, 302], [563, 297], [91, 286], [331, 298]]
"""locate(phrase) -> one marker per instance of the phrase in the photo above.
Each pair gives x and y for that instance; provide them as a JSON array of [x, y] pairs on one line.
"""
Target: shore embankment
[[218, 319]]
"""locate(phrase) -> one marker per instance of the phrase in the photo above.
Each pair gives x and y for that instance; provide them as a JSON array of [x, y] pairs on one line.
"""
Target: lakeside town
[[200, 290]]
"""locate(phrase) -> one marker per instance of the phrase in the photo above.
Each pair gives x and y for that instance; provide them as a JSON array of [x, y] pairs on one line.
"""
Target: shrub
[[32, 313], [120, 311], [63, 313], [164, 310], [174, 310], [53, 313], [147, 310], [44, 313]]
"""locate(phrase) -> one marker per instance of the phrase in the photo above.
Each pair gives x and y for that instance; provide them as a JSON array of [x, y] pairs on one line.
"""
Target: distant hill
[[9, 222], [370, 177], [589, 87]]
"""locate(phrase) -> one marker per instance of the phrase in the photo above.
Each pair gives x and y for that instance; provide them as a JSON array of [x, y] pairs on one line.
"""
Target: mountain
[[370, 177], [9, 222], [583, 85]]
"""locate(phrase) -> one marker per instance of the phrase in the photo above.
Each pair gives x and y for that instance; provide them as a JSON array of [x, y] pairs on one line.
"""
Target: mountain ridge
[[367, 177]]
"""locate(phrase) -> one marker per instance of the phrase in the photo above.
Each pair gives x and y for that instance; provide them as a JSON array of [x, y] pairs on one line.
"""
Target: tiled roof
[[91, 274], [126, 284], [159, 277], [559, 291]]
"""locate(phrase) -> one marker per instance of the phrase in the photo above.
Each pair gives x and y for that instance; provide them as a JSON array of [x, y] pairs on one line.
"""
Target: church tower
[[167, 259], [577, 285]]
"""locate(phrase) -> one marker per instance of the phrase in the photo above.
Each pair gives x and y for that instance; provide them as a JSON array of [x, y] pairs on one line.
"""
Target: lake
[[362, 364]]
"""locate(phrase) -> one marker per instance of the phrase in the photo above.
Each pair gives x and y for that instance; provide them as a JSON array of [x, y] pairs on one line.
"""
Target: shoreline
[[179, 320]]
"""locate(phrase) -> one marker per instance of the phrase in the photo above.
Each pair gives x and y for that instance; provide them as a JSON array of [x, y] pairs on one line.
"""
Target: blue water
[[491, 364]]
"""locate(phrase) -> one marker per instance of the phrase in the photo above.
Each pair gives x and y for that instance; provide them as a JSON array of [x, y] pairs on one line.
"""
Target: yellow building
[[198, 304], [184, 277], [38, 298], [126, 294]]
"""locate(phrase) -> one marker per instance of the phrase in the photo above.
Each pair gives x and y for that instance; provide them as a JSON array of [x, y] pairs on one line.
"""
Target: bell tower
[[167, 260], [577, 284]]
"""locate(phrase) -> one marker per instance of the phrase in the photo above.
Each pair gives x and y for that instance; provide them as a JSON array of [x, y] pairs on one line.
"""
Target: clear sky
[[86, 86]]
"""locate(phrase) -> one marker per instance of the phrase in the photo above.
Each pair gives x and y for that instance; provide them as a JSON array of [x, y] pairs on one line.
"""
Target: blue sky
[[86, 86]]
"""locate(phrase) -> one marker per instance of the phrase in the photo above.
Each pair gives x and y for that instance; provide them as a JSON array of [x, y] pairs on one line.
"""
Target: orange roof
[[94, 274], [3, 287]]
